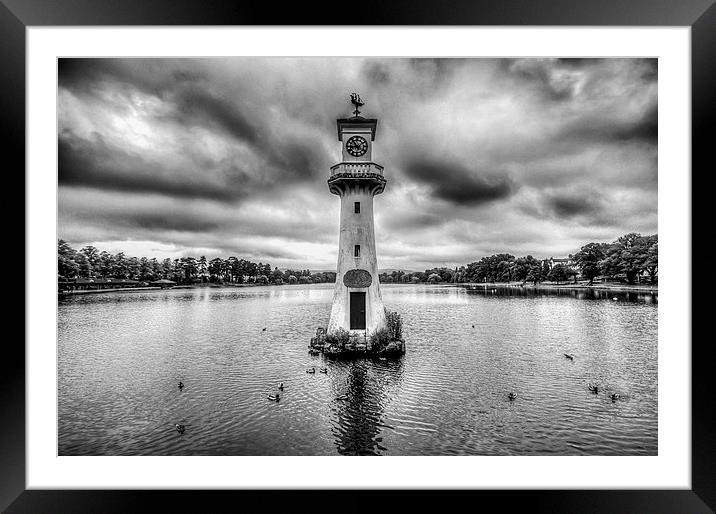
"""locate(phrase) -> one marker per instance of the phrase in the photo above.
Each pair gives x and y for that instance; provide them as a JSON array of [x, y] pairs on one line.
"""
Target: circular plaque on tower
[[357, 278]]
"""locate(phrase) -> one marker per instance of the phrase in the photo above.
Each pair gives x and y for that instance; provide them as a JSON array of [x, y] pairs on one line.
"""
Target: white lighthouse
[[357, 303]]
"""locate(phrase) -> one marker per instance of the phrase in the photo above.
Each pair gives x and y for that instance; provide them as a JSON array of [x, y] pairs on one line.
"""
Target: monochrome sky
[[219, 157]]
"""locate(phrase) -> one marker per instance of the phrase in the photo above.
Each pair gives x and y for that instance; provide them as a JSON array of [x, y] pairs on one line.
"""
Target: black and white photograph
[[346, 256]]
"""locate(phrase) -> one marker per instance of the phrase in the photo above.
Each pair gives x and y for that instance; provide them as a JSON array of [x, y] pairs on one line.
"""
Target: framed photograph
[[286, 240]]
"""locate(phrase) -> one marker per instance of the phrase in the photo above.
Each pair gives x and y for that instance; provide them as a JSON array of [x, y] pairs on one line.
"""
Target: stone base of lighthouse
[[354, 344]]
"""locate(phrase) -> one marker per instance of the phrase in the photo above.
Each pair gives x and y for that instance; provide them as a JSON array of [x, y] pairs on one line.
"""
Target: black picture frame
[[17, 15]]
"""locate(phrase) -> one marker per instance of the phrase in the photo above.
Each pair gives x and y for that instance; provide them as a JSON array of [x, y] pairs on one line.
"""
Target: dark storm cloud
[[540, 74], [435, 72], [413, 79], [377, 72], [650, 70], [577, 62], [196, 105], [644, 129], [293, 156], [454, 182], [411, 219], [156, 77], [595, 129], [176, 220], [569, 205], [97, 164]]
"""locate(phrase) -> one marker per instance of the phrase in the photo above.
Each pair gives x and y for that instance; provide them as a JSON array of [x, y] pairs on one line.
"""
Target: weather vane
[[355, 100]]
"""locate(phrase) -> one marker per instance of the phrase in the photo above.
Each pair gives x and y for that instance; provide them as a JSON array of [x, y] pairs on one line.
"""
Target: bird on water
[[311, 370], [181, 385], [280, 386], [180, 428], [323, 370], [570, 357], [273, 397], [512, 396], [593, 388]]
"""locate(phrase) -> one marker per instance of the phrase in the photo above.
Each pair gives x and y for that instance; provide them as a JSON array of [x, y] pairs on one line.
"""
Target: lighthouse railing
[[357, 168]]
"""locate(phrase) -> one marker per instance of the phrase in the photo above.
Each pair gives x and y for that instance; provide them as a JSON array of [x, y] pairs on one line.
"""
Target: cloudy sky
[[219, 157]]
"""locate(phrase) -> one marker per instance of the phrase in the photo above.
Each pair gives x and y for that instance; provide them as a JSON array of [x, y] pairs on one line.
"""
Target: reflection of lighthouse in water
[[357, 302], [365, 388]]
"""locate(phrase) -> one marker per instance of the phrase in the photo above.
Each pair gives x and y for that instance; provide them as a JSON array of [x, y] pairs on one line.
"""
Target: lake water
[[121, 356]]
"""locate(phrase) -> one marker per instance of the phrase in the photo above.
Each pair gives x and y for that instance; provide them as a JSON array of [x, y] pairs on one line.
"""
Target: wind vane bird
[[355, 100]]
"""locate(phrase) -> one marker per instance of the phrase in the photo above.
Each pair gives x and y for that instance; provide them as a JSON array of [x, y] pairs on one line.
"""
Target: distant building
[[568, 262], [164, 283]]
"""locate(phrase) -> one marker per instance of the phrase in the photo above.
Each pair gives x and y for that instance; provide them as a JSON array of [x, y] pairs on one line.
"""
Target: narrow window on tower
[[357, 208], [356, 251]]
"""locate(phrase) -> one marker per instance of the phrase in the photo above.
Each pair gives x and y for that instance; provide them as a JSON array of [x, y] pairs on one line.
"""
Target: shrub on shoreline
[[338, 338], [393, 331], [394, 325], [380, 339]]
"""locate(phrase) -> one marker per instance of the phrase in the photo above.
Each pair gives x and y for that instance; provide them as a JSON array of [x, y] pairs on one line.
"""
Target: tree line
[[631, 257], [90, 263]]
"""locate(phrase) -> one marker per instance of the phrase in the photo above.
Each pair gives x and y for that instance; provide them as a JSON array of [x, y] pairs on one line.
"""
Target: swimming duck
[[512, 396], [570, 357], [181, 385], [263, 329], [280, 386], [273, 397], [342, 397], [615, 299], [615, 397], [473, 326], [323, 370], [311, 370], [180, 428], [593, 388]]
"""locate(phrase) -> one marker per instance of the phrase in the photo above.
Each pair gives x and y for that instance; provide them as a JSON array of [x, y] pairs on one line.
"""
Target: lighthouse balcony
[[357, 169]]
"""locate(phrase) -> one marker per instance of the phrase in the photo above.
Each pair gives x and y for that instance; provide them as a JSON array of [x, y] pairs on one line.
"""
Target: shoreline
[[637, 288], [150, 288]]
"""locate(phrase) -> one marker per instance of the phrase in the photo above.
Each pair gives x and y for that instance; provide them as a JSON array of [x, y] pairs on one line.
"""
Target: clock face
[[356, 146]]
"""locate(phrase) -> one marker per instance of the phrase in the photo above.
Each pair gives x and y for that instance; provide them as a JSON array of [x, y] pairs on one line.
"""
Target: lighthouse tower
[[357, 303]]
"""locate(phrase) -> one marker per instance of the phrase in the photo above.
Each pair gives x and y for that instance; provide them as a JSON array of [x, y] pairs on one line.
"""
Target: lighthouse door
[[358, 311]]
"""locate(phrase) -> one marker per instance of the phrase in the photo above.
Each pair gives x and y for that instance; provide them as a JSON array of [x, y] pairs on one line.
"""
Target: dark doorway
[[358, 311]]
